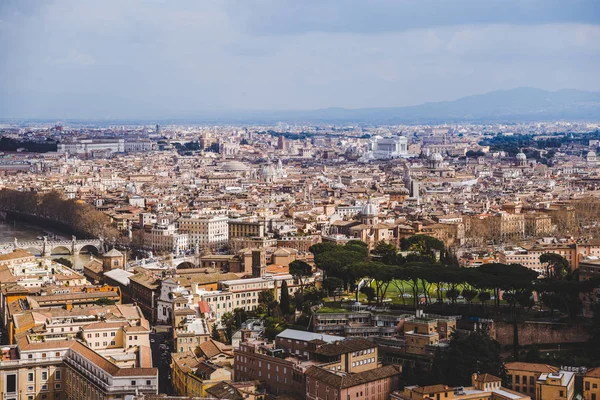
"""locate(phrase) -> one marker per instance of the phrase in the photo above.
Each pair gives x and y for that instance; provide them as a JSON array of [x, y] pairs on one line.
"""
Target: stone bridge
[[49, 247]]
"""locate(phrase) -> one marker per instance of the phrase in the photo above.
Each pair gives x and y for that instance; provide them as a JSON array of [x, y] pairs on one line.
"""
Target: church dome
[[233, 166], [369, 209], [591, 154], [267, 170], [436, 157], [521, 156]]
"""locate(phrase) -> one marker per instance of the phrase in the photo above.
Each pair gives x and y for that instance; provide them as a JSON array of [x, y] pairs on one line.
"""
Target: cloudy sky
[[173, 58]]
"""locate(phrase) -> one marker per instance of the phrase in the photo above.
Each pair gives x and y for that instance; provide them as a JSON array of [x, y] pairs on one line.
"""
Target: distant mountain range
[[506, 106], [515, 105]]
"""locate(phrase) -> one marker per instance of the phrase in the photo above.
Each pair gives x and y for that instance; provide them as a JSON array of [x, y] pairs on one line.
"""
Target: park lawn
[[395, 294]]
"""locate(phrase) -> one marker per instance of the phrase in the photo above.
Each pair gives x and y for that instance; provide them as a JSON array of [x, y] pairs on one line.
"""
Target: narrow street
[[161, 359]]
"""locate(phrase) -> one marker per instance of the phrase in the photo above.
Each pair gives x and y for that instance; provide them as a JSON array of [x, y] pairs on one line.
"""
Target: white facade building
[[210, 231]]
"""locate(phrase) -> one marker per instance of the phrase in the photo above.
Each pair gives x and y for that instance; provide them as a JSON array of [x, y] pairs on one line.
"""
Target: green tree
[[385, 252], [469, 295], [240, 316], [215, 335], [332, 285], [381, 274], [64, 261], [533, 355], [422, 244], [228, 321], [300, 270], [556, 265], [369, 292], [284, 300], [468, 353], [323, 247], [105, 301], [266, 301], [484, 296]]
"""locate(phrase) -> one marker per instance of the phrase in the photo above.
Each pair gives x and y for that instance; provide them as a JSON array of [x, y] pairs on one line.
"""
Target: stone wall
[[531, 332]]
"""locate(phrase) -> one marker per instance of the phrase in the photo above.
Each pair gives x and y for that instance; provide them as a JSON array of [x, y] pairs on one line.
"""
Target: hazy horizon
[[143, 59]]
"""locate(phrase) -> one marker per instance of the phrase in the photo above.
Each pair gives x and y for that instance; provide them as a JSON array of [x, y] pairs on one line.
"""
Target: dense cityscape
[[295, 261], [300, 199]]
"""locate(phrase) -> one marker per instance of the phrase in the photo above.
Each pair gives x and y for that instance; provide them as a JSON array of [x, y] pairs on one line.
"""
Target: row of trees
[[421, 277], [80, 218]]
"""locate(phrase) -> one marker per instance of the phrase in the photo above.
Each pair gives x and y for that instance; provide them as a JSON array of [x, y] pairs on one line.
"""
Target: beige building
[[206, 231], [484, 387], [523, 376]]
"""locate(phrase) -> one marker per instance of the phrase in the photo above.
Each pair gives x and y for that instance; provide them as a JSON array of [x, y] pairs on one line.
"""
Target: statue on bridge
[[16, 244]]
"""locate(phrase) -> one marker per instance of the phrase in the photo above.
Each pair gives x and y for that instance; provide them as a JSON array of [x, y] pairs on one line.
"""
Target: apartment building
[[523, 376], [165, 238], [591, 384], [206, 231], [483, 387], [537, 224], [556, 385], [53, 363], [92, 376], [282, 365], [192, 376], [375, 384], [247, 228], [257, 360]]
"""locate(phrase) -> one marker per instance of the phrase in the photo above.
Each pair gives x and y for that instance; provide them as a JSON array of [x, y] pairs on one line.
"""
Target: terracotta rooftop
[[343, 381]]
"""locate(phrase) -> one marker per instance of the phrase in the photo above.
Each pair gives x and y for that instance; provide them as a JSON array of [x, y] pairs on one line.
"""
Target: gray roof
[[119, 275], [308, 336]]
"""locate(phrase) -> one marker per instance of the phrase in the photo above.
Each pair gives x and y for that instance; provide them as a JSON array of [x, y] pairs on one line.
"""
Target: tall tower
[[157, 129], [281, 143], [259, 263]]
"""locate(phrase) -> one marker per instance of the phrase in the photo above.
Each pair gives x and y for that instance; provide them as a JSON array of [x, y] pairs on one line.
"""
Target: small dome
[[369, 209], [591, 154], [436, 157], [521, 156], [267, 170]]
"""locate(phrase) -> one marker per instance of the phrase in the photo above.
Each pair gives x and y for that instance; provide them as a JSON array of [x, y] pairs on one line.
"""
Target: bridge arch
[[36, 251], [89, 248], [64, 250], [185, 265]]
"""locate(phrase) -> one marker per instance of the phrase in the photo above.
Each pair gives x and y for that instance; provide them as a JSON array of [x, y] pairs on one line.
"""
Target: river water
[[27, 232]]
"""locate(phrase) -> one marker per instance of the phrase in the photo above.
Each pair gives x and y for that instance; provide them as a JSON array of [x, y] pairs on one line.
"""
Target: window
[[57, 375], [587, 386], [517, 379], [148, 383], [132, 383], [560, 393], [30, 377], [57, 386], [44, 387], [44, 375], [112, 334]]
